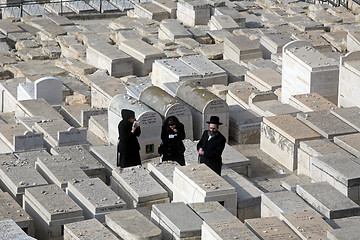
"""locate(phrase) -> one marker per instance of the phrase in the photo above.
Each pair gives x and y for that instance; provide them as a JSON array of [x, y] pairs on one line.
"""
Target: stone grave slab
[[327, 200], [79, 114], [95, 198], [233, 159], [36, 107], [9, 230], [314, 148], [264, 79], [106, 155], [193, 13], [273, 43], [88, 229], [135, 193], [17, 175], [198, 183], [218, 22], [350, 143], [10, 209], [176, 220], [339, 171], [9, 94], [310, 102], [284, 133], [163, 173], [225, 227], [150, 10], [270, 228], [248, 195], [173, 29], [191, 153], [347, 233], [234, 71], [306, 223], [240, 48], [328, 129], [59, 174], [50, 208], [239, 93], [131, 224], [290, 182], [98, 126], [116, 62], [349, 115], [143, 55], [209, 210], [79, 7], [274, 204]]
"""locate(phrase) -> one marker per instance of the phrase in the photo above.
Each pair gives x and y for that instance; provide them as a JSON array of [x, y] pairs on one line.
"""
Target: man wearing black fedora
[[211, 145]]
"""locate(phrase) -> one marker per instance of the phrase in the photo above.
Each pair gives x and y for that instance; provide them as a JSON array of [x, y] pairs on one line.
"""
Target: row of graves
[[274, 72]]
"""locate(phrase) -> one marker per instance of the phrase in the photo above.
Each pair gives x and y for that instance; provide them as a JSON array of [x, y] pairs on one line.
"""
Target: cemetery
[[282, 76]]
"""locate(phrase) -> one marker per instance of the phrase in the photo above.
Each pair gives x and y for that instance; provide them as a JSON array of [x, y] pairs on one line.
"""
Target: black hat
[[214, 120]]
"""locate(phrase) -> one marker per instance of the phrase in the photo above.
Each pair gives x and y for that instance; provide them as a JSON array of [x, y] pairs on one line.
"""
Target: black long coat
[[212, 150], [128, 147], [173, 148]]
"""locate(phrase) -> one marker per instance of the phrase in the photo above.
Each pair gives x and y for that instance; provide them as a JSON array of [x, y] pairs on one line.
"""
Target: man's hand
[[201, 151]]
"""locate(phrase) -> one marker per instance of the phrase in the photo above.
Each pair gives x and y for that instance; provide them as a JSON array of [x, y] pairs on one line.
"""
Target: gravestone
[[241, 48], [87, 229], [150, 123], [310, 102], [196, 12], [9, 230]]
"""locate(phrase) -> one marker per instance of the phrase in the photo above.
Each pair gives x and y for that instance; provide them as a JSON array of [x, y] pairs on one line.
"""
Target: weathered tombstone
[[304, 70], [50, 208], [328, 200], [310, 102], [349, 80], [78, 115], [248, 195], [306, 223], [196, 12], [353, 41], [165, 104], [131, 224], [349, 143], [137, 188], [203, 105], [10, 209], [87, 229], [241, 48], [273, 43], [177, 221], [198, 183], [116, 62], [150, 10], [95, 198], [150, 123], [281, 136], [9, 230], [264, 79], [8, 94]]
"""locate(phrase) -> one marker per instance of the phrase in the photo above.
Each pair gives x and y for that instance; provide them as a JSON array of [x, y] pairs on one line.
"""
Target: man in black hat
[[128, 147], [211, 145]]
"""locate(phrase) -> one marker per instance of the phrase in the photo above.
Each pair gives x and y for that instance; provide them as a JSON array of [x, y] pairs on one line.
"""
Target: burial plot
[[143, 55], [131, 224], [41, 89], [327, 200], [281, 136], [198, 183], [78, 115], [177, 221], [314, 148], [106, 155], [87, 229], [150, 10], [273, 43], [264, 79], [103, 55], [349, 143], [98, 125], [239, 93], [307, 224], [163, 173], [150, 123], [349, 79], [59, 173], [17, 175], [203, 105], [103, 89], [311, 102], [193, 13], [8, 94], [234, 71], [274, 204], [164, 104], [234, 160], [353, 41], [348, 115], [330, 128], [79, 7], [241, 48], [50, 208], [270, 228], [305, 70], [347, 233], [172, 29], [9, 230], [339, 171], [225, 22], [248, 195], [191, 68], [137, 188], [10, 209], [95, 198], [36, 108], [77, 155]]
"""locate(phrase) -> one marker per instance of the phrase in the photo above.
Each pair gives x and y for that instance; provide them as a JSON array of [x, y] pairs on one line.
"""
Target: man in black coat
[[128, 146], [211, 145]]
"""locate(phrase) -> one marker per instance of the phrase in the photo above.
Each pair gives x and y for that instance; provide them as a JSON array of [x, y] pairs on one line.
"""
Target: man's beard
[[212, 134]]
